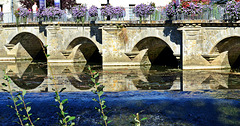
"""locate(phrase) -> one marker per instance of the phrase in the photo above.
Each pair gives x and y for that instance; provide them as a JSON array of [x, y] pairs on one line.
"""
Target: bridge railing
[[214, 13]]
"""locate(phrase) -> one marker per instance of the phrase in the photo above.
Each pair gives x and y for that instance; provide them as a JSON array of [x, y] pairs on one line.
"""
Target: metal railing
[[216, 13]]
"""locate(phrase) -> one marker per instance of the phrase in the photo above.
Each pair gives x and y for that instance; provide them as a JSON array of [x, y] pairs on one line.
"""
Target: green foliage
[[136, 119], [64, 118], [19, 106], [99, 91]]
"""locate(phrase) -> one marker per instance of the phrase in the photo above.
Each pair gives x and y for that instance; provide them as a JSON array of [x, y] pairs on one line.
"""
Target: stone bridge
[[190, 45]]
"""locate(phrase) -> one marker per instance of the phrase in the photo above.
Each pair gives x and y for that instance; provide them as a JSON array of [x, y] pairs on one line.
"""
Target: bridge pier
[[114, 50], [194, 53]]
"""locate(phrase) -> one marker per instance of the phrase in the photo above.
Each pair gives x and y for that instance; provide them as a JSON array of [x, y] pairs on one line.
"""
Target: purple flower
[[1, 14], [107, 11], [39, 13], [118, 11], [233, 9], [93, 11], [79, 11], [193, 9], [143, 10], [22, 12], [52, 12], [170, 9]]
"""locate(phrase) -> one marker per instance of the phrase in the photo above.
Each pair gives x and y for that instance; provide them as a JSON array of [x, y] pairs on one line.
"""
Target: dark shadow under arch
[[88, 49], [159, 52], [32, 44]]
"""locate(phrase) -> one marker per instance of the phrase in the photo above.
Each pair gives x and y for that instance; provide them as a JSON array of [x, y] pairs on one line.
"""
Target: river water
[[166, 96]]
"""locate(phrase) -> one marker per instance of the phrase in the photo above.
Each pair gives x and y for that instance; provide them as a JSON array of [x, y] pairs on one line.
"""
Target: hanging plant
[[79, 13]]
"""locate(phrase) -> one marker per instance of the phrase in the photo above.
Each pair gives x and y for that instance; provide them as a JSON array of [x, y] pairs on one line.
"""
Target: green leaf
[[19, 104], [109, 122], [134, 115], [104, 118], [28, 103], [96, 75], [24, 92], [62, 90], [10, 106], [89, 68], [28, 108], [100, 93], [36, 120], [25, 118], [93, 80], [144, 118], [72, 124], [97, 83], [15, 99], [102, 103], [46, 46], [93, 71], [63, 101], [47, 55], [19, 96], [71, 118], [104, 107], [94, 99], [61, 106]]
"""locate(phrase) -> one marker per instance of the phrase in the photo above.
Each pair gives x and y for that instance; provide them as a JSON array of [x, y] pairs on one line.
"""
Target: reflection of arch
[[146, 34], [83, 84], [31, 43], [230, 45], [87, 47], [32, 77], [159, 52]]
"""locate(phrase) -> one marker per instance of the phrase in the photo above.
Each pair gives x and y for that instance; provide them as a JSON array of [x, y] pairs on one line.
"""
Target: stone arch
[[156, 34], [231, 45], [39, 36], [32, 44], [157, 51], [87, 47], [83, 34], [223, 34]]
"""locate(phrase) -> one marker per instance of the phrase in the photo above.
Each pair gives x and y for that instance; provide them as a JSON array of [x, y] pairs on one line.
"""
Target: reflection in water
[[38, 77]]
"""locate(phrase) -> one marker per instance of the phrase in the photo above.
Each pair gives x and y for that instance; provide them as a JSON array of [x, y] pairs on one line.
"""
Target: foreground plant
[[137, 120], [99, 91], [19, 104], [64, 118]]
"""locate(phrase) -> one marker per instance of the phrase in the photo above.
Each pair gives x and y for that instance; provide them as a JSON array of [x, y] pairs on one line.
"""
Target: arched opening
[[88, 49], [159, 52], [32, 44], [232, 45]]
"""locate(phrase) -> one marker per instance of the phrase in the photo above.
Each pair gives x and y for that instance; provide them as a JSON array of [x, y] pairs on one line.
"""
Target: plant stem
[[15, 106], [99, 99], [102, 110], [27, 111]]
